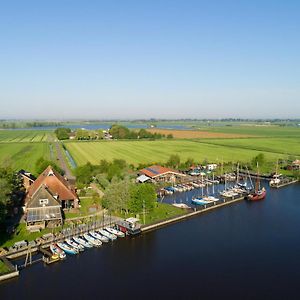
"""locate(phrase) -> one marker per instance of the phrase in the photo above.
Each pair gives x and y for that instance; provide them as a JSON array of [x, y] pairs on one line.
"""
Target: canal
[[244, 250]]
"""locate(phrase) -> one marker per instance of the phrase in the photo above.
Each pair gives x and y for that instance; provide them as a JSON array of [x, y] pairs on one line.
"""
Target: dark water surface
[[241, 251]]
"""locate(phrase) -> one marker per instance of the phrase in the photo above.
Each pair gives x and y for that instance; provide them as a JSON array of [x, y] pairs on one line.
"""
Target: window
[[43, 202]]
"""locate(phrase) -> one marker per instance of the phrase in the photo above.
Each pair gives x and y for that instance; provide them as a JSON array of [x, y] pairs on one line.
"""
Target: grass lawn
[[160, 212], [86, 204], [23, 155], [135, 152], [21, 233], [3, 267]]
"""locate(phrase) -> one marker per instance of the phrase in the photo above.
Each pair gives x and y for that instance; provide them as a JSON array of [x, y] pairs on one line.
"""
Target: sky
[[149, 59]]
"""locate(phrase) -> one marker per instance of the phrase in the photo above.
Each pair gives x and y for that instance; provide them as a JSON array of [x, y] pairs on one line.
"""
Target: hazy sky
[[149, 58]]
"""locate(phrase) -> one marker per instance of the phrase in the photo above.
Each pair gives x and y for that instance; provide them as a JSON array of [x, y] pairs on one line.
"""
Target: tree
[[41, 164], [62, 133], [258, 159], [169, 136], [142, 195], [174, 161]]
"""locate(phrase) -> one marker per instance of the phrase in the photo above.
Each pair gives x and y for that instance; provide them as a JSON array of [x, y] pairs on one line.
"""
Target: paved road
[[63, 163]]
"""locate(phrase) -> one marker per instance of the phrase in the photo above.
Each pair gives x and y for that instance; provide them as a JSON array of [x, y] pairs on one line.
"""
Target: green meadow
[[24, 136], [23, 155], [261, 131], [135, 152], [286, 146]]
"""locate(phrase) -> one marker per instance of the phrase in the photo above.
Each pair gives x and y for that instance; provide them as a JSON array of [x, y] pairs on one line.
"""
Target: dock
[[285, 183], [192, 214]]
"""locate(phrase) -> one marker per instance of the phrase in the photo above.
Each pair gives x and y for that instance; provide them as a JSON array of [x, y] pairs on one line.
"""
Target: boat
[[105, 233], [181, 205], [200, 201], [74, 245], [259, 193], [210, 199], [98, 236], [93, 241], [67, 249], [57, 251], [82, 242], [275, 181], [115, 232]]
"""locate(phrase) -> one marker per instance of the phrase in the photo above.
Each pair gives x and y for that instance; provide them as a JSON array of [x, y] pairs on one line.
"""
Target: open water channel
[[240, 251]]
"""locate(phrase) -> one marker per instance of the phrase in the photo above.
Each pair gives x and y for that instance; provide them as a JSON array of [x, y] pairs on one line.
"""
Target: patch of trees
[[120, 193], [122, 132], [83, 134], [129, 197], [10, 187], [103, 173], [41, 164], [62, 133]]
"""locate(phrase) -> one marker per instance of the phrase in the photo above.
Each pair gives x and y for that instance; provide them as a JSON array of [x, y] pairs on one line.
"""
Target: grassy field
[[287, 146], [136, 152], [7, 136], [161, 212], [266, 131], [23, 155], [196, 134]]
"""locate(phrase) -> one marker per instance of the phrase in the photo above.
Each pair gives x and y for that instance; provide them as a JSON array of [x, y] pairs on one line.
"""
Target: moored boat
[[93, 241], [82, 242], [67, 249], [98, 236], [57, 251], [259, 193], [74, 245], [107, 234], [115, 232]]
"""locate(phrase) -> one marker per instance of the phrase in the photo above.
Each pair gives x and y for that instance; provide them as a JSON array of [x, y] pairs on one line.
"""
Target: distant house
[[157, 173], [296, 164], [46, 197], [27, 179]]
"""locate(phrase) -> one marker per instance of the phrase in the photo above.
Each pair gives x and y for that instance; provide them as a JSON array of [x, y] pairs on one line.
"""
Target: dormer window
[[50, 173]]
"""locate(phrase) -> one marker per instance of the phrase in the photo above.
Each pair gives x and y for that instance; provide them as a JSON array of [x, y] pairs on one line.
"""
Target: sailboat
[[275, 181], [259, 193]]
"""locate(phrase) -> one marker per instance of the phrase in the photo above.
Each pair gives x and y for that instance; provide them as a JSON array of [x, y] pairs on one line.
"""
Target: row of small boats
[[169, 190], [94, 238]]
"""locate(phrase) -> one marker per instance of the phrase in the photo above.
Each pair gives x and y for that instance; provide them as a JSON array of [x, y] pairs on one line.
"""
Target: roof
[[155, 171], [55, 183], [143, 178], [43, 214], [27, 174]]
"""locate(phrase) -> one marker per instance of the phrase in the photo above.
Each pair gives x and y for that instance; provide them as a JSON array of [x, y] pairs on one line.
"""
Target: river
[[241, 251]]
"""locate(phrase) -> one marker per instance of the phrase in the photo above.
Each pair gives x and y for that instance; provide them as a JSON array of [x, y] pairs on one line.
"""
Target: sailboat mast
[[257, 180]]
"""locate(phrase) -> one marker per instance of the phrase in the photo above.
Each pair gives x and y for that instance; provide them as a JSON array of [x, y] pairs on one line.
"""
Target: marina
[[217, 235]]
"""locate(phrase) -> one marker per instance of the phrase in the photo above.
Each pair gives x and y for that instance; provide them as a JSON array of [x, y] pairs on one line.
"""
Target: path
[[63, 163]]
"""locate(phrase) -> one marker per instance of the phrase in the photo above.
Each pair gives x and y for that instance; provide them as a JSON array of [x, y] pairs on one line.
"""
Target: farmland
[[23, 155], [136, 152], [194, 134], [265, 131], [25, 136], [288, 146]]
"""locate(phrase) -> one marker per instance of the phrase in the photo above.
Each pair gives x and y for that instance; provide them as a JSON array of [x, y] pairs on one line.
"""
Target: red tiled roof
[[154, 171], [55, 183]]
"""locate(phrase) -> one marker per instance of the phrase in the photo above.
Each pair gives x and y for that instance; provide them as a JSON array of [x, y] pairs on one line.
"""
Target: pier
[[206, 208], [284, 183]]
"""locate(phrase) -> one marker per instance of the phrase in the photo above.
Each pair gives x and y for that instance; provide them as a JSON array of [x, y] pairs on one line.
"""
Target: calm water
[[105, 126], [243, 251]]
